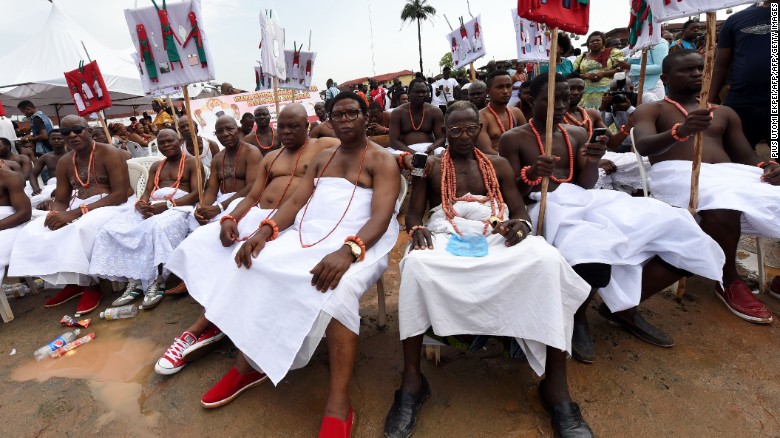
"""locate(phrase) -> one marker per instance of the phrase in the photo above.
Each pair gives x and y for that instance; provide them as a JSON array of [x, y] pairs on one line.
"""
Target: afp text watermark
[[774, 33]]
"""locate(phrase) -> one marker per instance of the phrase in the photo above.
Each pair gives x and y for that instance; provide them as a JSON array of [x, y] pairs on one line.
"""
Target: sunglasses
[[76, 130]]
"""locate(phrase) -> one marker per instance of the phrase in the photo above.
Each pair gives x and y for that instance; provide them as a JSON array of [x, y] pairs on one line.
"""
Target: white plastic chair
[[139, 175], [380, 285], [5, 308]]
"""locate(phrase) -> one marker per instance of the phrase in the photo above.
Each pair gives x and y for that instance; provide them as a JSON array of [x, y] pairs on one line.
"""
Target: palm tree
[[417, 10]]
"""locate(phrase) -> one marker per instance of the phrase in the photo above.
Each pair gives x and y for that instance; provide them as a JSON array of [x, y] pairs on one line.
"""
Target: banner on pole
[[644, 31], [206, 111], [466, 43], [300, 66], [86, 87], [533, 45], [272, 46], [665, 10], [566, 15], [172, 49], [263, 81]]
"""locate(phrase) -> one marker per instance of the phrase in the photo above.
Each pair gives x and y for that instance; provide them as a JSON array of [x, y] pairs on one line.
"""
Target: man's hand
[[544, 166], [55, 221], [37, 192], [698, 120], [328, 272], [513, 230], [594, 151], [771, 175], [228, 233], [204, 214], [153, 209], [421, 239], [608, 166], [250, 250]]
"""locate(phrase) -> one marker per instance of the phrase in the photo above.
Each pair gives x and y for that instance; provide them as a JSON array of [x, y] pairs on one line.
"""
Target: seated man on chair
[[628, 248], [302, 271], [281, 172], [48, 163], [513, 271], [97, 174], [134, 246], [416, 126], [738, 192], [15, 211]]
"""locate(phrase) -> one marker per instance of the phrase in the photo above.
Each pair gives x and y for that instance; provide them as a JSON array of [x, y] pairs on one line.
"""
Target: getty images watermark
[[775, 63]]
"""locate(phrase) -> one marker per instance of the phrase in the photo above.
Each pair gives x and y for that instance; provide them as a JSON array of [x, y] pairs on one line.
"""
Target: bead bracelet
[[524, 177], [271, 223], [674, 133]]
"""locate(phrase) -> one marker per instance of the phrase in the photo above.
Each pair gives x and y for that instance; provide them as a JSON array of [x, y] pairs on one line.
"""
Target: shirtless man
[[378, 120], [280, 173], [504, 297], [15, 211], [99, 176], [233, 171], [247, 124], [317, 292], [207, 153], [135, 246], [7, 154], [265, 136], [416, 126], [497, 118], [605, 235], [478, 94], [322, 115], [49, 162], [324, 129], [735, 196]]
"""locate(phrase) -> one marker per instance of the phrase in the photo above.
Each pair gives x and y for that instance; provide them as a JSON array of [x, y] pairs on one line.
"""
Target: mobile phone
[[598, 132], [418, 162]]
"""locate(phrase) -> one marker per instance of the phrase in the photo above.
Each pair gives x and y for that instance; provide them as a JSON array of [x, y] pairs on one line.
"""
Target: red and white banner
[[86, 87], [666, 10]]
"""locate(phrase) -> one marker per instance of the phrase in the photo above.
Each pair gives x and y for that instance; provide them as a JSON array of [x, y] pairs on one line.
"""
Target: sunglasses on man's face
[[76, 130]]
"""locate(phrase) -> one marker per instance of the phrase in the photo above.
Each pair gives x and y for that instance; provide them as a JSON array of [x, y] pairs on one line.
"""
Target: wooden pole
[[175, 117], [548, 128], [105, 126], [642, 70], [276, 96], [709, 63], [473, 72], [195, 144]]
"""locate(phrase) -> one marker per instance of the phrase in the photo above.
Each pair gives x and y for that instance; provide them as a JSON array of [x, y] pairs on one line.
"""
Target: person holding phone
[[445, 89], [626, 248]]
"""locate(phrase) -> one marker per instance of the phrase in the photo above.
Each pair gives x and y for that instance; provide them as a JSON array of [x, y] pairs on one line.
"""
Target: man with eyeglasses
[[93, 188], [233, 171], [416, 126], [479, 234]]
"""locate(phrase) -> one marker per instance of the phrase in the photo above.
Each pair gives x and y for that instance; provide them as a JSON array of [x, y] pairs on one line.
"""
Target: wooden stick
[[175, 117], [105, 126], [709, 62], [195, 144], [473, 72], [276, 96], [642, 70], [548, 128]]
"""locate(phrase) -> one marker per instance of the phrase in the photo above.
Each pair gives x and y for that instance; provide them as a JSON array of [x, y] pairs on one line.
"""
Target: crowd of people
[[304, 216]]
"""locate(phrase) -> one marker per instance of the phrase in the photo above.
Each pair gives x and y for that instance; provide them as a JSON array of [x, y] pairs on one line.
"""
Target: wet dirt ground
[[720, 380]]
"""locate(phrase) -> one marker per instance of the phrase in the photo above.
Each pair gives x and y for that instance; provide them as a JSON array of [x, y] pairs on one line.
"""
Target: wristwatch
[[529, 225], [357, 252], [169, 204]]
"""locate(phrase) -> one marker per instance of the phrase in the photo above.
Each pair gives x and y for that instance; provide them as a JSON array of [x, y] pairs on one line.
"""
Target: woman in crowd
[[597, 66]]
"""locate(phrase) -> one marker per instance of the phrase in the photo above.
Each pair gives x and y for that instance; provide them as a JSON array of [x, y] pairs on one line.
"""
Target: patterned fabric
[[594, 91]]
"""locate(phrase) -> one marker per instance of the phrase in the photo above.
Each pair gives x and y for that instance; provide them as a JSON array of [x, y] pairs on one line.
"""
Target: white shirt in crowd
[[449, 87]]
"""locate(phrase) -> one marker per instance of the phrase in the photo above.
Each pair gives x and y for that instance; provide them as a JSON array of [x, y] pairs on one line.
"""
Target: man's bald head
[[293, 125], [226, 130], [74, 120], [166, 133], [226, 120], [294, 110], [168, 143]]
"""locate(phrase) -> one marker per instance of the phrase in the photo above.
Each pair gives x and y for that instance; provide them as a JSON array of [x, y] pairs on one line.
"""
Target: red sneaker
[[333, 427], [67, 293], [233, 384], [205, 343], [171, 362], [89, 301], [774, 287], [740, 300]]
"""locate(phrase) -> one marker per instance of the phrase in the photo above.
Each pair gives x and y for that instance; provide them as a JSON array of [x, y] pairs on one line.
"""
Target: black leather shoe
[[566, 418], [582, 344], [402, 416], [639, 327]]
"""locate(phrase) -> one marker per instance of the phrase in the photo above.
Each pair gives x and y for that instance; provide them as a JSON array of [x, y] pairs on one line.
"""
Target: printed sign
[[644, 30], [666, 10], [272, 46], [299, 69], [86, 87], [532, 43], [466, 43]]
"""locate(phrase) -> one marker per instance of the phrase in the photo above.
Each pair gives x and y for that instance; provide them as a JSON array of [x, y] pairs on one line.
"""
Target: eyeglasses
[[76, 130], [457, 131], [348, 115]]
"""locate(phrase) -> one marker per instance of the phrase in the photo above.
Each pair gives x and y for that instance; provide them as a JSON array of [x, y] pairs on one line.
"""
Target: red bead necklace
[[179, 175], [680, 107], [568, 145], [273, 141], [498, 120], [90, 167], [422, 119], [235, 165], [586, 123], [449, 188], [360, 170]]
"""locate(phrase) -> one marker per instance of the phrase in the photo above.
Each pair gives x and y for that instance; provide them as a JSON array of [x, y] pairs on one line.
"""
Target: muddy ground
[[719, 380]]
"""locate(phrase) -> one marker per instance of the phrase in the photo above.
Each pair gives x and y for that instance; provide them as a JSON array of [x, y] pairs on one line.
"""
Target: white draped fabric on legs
[[722, 186], [271, 311], [62, 256], [627, 177], [221, 197], [45, 194], [611, 227], [131, 247], [7, 239], [527, 291]]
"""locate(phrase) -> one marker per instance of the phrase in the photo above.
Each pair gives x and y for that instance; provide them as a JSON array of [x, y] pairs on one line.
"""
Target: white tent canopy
[[35, 70]]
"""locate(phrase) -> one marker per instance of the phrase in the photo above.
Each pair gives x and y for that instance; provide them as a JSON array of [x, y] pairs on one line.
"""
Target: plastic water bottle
[[51, 347], [128, 311]]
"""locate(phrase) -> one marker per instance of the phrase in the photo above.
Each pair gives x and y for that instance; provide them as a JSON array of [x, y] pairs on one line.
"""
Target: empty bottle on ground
[[56, 344], [128, 311]]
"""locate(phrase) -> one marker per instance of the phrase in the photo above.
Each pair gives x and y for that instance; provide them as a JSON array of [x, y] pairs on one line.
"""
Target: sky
[[352, 38]]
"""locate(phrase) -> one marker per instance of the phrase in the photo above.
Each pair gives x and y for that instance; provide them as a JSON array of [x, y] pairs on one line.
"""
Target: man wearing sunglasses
[[93, 187], [416, 126], [518, 285]]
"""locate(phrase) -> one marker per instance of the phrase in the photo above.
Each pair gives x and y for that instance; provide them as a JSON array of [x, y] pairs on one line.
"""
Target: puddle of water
[[114, 366]]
